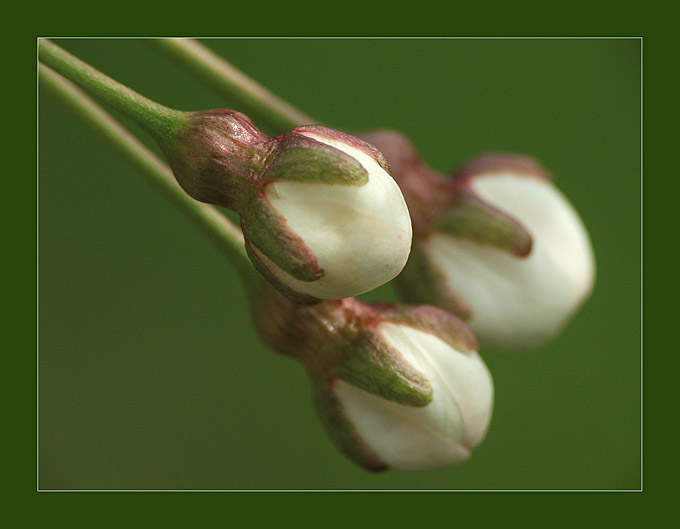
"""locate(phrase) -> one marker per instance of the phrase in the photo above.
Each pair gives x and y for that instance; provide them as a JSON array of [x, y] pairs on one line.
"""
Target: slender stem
[[159, 121], [228, 80], [225, 235]]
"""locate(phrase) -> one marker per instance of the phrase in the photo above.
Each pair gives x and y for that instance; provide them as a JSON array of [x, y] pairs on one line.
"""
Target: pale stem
[[220, 230], [231, 82], [158, 120]]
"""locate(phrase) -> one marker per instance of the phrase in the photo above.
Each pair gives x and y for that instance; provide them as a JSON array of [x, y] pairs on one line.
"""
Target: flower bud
[[321, 216], [497, 244], [395, 386]]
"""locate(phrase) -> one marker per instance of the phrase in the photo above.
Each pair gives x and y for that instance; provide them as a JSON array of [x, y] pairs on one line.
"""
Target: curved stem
[[228, 80], [159, 121], [224, 234]]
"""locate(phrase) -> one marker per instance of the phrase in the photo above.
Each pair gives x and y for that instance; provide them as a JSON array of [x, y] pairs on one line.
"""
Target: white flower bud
[[360, 235], [441, 433], [518, 302], [320, 215], [496, 244], [395, 386]]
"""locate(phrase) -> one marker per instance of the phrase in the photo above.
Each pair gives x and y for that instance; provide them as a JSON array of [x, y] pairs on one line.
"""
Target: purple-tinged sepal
[[469, 217], [342, 432], [267, 231], [300, 158]]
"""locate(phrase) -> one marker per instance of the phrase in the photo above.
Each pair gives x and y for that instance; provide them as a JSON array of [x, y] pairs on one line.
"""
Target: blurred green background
[[150, 373]]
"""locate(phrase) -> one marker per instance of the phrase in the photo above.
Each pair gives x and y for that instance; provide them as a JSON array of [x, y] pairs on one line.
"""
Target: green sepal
[[296, 297], [302, 159], [267, 230], [438, 322], [375, 367], [341, 431], [472, 218]]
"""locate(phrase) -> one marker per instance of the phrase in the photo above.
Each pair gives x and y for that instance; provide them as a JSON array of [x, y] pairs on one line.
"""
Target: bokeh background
[[150, 373]]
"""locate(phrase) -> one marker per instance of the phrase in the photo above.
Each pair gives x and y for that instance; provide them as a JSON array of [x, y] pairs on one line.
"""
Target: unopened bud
[[497, 243], [321, 216], [395, 386]]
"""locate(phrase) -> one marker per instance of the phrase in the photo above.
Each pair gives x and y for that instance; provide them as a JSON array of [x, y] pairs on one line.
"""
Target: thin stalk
[[231, 82], [159, 121], [223, 233]]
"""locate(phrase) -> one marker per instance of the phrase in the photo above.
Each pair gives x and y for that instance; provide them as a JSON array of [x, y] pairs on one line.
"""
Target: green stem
[[231, 82], [225, 235], [159, 121]]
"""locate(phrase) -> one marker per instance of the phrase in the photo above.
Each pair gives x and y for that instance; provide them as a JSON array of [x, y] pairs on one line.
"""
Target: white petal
[[439, 434], [520, 303], [550, 218], [360, 235]]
